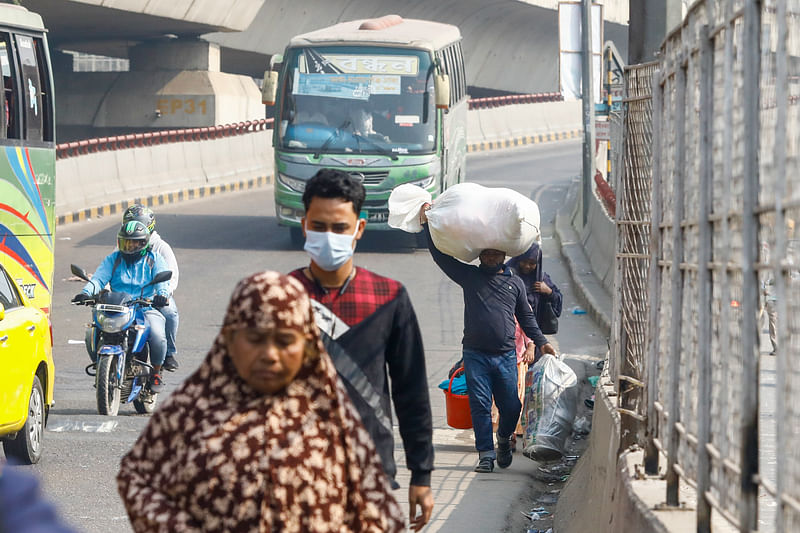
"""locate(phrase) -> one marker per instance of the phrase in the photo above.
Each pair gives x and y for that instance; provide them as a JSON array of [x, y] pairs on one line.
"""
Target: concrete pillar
[[171, 84], [175, 55]]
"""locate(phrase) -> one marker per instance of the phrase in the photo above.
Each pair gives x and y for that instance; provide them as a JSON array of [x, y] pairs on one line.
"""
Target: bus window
[[46, 91], [31, 88], [10, 114]]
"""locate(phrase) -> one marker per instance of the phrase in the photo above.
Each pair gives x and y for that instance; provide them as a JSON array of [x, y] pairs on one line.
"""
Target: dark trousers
[[491, 375]]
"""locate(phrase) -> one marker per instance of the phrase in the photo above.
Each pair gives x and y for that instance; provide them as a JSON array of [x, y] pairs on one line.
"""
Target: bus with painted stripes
[[383, 99], [28, 156]]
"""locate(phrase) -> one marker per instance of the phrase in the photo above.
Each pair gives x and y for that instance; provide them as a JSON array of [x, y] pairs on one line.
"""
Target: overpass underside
[[509, 45]]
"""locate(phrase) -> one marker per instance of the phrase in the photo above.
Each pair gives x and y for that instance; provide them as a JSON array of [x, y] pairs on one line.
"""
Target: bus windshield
[[358, 99]]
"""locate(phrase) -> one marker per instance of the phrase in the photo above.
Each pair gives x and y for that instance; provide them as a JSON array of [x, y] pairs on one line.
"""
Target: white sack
[[404, 205], [468, 218]]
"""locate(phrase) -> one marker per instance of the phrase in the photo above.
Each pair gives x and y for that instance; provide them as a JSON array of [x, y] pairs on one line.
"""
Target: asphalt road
[[220, 240]]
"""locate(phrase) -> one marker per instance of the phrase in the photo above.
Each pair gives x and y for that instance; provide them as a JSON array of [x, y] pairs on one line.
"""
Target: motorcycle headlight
[[293, 183], [113, 322], [425, 182]]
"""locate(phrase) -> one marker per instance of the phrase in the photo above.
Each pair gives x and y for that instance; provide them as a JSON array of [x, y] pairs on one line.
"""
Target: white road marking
[[86, 427]]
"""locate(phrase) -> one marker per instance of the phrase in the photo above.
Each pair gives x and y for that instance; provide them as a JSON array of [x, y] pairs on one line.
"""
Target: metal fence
[[708, 237], [632, 257]]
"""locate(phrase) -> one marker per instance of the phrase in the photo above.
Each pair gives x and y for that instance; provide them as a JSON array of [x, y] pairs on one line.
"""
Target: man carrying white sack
[[493, 297]]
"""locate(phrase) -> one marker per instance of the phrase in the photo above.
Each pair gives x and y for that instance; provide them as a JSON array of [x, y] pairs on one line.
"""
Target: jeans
[[157, 339], [492, 375], [172, 320]]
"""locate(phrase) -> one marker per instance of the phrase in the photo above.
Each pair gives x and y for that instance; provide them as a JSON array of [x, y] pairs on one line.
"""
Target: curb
[[523, 141], [162, 199], [590, 290]]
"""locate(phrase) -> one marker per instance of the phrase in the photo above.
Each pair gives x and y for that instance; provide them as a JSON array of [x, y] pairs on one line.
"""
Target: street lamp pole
[[588, 107]]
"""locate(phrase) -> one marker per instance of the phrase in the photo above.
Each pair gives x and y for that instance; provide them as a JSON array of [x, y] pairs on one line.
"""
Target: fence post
[[781, 192], [651, 363], [676, 281], [750, 364], [704, 280]]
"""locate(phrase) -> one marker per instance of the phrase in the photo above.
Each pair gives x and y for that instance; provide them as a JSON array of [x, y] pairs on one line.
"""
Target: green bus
[[28, 157], [382, 99]]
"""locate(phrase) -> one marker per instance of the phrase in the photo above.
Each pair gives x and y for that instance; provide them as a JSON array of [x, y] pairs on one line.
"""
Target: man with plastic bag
[[493, 297]]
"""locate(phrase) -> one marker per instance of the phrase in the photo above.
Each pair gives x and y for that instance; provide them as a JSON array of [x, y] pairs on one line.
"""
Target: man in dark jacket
[[370, 331], [493, 297]]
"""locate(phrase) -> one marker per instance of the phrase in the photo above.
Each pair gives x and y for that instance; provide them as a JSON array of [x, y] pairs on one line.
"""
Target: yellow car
[[26, 373]]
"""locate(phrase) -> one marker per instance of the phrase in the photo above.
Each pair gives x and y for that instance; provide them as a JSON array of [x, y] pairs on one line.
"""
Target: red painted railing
[[138, 140], [606, 194]]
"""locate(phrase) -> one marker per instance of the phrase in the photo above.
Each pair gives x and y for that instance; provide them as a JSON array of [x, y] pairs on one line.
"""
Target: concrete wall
[[520, 120], [509, 45], [599, 495], [104, 178], [599, 238]]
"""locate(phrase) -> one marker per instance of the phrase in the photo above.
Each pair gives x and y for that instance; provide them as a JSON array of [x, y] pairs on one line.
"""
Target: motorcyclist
[[128, 269], [146, 216]]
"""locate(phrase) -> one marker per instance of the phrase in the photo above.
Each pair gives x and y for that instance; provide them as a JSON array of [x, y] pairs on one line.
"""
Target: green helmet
[[141, 213], [132, 239]]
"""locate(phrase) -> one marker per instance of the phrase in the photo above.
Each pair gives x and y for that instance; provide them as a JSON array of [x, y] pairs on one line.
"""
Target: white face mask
[[329, 250]]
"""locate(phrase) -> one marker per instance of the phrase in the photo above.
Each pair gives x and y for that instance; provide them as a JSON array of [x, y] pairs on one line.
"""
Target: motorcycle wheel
[[108, 394], [146, 407]]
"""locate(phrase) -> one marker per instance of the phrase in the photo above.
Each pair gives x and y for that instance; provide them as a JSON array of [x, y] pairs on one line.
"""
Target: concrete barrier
[[598, 238], [599, 495], [89, 184]]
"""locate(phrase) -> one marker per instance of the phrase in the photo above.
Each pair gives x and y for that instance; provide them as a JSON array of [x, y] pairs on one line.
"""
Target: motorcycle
[[119, 332]]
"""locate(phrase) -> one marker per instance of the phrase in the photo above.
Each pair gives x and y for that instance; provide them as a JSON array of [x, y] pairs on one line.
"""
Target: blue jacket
[[491, 302], [129, 278]]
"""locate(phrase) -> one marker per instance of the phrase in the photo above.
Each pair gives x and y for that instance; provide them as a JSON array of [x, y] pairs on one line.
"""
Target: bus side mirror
[[270, 87], [442, 88]]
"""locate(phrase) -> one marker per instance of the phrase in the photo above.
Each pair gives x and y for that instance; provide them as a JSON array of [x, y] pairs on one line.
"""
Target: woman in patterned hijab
[[262, 437]]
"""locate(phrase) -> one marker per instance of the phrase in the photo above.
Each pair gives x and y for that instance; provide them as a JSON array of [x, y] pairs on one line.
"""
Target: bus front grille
[[371, 177]]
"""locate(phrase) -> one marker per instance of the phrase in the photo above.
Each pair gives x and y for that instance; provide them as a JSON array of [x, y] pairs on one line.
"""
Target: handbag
[[545, 316]]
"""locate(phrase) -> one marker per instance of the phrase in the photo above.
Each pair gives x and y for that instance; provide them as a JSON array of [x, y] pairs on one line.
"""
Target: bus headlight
[[293, 183], [425, 182]]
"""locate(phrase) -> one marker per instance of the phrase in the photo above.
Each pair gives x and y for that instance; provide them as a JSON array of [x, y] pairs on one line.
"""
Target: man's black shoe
[[170, 364], [485, 465], [504, 456]]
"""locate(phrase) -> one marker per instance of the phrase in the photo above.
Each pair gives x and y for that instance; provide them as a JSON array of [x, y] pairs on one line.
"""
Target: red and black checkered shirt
[[373, 325], [362, 296]]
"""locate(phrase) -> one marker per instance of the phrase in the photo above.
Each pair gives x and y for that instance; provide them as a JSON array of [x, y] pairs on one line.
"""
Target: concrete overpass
[[509, 45], [175, 79], [178, 79]]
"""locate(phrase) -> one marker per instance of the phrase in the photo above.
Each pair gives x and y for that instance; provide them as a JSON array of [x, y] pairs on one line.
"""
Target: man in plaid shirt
[[370, 330]]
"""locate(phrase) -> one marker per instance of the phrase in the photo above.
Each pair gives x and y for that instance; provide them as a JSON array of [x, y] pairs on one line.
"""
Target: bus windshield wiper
[[330, 139], [381, 149]]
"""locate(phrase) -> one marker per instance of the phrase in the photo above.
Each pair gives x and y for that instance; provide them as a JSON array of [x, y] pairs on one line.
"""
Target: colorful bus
[[27, 231], [28, 158], [382, 99]]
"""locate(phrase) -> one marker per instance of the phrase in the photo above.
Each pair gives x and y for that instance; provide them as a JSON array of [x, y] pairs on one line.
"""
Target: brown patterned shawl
[[219, 456]]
